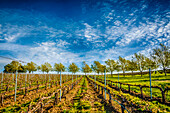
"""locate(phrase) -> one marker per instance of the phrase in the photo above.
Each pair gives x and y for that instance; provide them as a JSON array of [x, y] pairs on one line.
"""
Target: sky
[[66, 31]]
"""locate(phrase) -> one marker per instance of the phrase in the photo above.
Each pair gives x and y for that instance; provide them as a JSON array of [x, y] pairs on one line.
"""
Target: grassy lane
[[86, 100], [157, 80]]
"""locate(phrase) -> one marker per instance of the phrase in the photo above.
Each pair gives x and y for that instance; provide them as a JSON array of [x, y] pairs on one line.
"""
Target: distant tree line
[[159, 57]]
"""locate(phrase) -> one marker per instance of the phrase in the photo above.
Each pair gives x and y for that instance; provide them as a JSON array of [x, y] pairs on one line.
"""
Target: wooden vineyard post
[[105, 82], [2, 80], [123, 105], [56, 99], [98, 89], [109, 96], [120, 86], [49, 80], [15, 86], [141, 92], [25, 84], [12, 77], [129, 88], [95, 79], [163, 96], [68, 89], [118, 79], [63, 93], [2, 98], [7, 87], [41, 108], [37, 86], [60, 84], [72, 80], [76, 78]]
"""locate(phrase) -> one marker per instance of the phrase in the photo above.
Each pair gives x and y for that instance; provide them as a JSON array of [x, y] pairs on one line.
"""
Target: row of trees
[[159, 57], [46, 67]]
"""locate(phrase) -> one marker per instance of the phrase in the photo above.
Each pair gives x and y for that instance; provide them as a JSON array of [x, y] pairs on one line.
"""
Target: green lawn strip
[[80, 106], [144, 80], [154, 106]]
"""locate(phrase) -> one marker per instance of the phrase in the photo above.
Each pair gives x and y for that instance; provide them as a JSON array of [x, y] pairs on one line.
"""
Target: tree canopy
[[162, 54], [59, 67], [111, 65], [31, 67], [86, 68], [73, 68], [13, 67]]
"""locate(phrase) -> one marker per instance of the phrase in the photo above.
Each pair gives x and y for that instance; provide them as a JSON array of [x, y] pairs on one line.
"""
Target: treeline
[[159, 57]]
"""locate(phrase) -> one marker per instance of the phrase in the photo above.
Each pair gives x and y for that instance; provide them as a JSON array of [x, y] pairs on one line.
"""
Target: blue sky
[[69, 31]]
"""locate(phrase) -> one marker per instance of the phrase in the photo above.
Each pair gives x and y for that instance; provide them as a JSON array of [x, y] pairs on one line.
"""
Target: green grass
[[155, 106], [157, 80]]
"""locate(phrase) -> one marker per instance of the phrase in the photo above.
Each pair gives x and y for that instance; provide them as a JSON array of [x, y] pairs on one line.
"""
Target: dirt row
[[82, 98]]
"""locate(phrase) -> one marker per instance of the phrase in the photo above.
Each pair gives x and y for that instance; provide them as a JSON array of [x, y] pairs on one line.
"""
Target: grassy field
[[157, 80]]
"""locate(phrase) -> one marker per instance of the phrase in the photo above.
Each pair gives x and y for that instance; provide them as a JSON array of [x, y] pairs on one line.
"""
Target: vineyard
[[137, 86], [80, 93]]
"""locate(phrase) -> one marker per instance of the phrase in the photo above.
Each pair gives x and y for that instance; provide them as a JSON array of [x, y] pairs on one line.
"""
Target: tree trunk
[[164, 70], [132, 73], [124, 73], [111, 74], [141, 73]]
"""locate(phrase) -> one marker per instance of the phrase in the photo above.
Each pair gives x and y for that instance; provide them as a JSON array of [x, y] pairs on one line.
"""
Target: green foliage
[[98, 68], [86, 68], [31, 67], [59, 67], [73, 68], [162, 55], [13, 67], [46, 67], [150, 63], [112, 65], [123, 63], [131, 65], [141, 64]]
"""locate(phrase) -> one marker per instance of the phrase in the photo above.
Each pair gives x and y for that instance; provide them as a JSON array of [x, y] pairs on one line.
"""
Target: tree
[[123, 63], [31, 67], [103, 69], [86, 68], [118, 67], [43, 68], [59, 67], [48, 67], [13, 67], [131, 65], [39, 68], [150, 63], [163, 56], [141, 64], [8, 68], [73, 68], [111, 65], [96, 67]]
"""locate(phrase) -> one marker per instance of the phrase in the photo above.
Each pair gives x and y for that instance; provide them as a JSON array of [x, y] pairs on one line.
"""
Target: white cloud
[[62, 43]]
